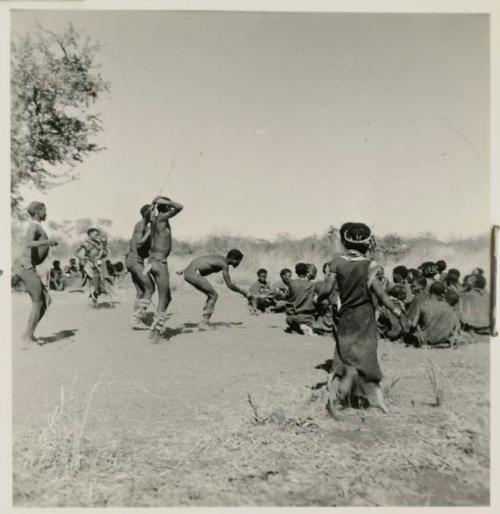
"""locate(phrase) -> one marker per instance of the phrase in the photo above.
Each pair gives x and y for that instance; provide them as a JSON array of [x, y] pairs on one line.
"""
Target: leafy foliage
[[55, 81]]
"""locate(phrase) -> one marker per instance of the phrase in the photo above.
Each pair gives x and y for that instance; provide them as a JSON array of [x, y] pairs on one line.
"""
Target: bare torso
[[208, 264], [161, 237], [34, 256]]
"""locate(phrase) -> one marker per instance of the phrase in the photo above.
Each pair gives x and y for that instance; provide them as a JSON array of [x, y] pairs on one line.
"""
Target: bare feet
[[204, 325], [29, 341]]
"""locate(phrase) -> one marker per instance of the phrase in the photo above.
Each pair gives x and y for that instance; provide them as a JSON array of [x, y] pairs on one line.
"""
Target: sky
[[261, 124]]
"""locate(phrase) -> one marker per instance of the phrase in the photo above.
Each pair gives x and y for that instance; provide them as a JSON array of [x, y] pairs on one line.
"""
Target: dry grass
[[281, 448]]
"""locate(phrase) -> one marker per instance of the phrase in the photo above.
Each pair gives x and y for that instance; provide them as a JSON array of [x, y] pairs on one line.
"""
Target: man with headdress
[[356, 370], [429, 271], [162, 210], [91, 254], [34, 251]]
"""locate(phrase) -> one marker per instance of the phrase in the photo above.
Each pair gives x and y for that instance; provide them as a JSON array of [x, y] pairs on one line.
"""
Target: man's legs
[[301, 323], [159, 270], [35, 288], [144, 287], [203, 285]]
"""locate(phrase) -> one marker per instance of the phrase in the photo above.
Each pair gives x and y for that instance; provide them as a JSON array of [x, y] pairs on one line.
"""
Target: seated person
[[434, 322], [400, 277], [389, 326], [119, 270], [429, 271], [74, 267], [475, 305], [262, 294], [441, 270], [56, 279], [281, 291], [312, 272], [419, 291], [452, 280], [327, 309], [413, 273], [383, 279], [301, 309]]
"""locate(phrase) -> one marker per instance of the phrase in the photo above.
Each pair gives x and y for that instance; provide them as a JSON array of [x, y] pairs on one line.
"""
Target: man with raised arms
[[162, 209]]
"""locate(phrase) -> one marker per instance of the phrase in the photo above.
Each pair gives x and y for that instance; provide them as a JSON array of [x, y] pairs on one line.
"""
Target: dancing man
[[139, 249], [162, 210], [34, 251], [196, 272]]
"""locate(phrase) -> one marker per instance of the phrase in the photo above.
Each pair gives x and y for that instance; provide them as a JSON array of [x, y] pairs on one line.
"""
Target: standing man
[[34, 251], [162, 210], [139, 249], [196, 272]]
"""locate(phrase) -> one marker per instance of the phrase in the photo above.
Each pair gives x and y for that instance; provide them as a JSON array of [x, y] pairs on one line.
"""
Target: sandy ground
[[179, 411]]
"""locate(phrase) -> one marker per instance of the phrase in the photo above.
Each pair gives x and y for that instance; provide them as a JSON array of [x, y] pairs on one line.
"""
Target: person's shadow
[[58, 336], [107, 305], [188, 328], [325, 366], [217, 324]]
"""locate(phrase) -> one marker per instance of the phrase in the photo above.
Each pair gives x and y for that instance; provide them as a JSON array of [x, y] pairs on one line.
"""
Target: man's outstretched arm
[[231, 285]]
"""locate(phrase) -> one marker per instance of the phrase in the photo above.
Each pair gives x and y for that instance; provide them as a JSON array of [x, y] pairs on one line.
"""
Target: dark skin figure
[[161, 246], [351, 374], [36, 245], [201, 267], [139, 244]]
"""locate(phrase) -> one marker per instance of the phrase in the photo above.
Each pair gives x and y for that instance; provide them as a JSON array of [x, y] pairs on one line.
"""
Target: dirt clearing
[[102, 417]]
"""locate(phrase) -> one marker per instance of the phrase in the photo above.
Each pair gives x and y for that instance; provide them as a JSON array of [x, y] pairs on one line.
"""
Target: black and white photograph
[[250, 258]]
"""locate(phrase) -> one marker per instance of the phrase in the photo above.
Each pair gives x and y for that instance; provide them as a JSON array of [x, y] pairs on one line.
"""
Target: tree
[[55, 81]]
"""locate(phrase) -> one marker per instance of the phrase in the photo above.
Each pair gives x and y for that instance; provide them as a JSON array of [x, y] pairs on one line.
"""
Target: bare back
[[208, 264]]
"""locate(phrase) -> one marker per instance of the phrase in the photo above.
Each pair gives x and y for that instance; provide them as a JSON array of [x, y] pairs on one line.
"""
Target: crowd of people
[[354, 301], [437, 308], [75, 274]]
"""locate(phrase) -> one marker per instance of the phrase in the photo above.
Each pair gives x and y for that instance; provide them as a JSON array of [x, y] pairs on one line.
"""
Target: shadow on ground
[[58, 336]]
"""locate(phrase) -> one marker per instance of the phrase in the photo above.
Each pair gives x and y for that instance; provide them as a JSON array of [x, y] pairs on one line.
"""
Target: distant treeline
[[284, 249]]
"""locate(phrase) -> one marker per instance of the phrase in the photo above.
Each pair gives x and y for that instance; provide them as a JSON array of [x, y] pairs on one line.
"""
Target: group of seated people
[[438, 307], [60, 278]]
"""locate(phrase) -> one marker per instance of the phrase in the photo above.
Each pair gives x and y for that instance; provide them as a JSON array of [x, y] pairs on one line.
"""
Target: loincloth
[[155, 257]]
